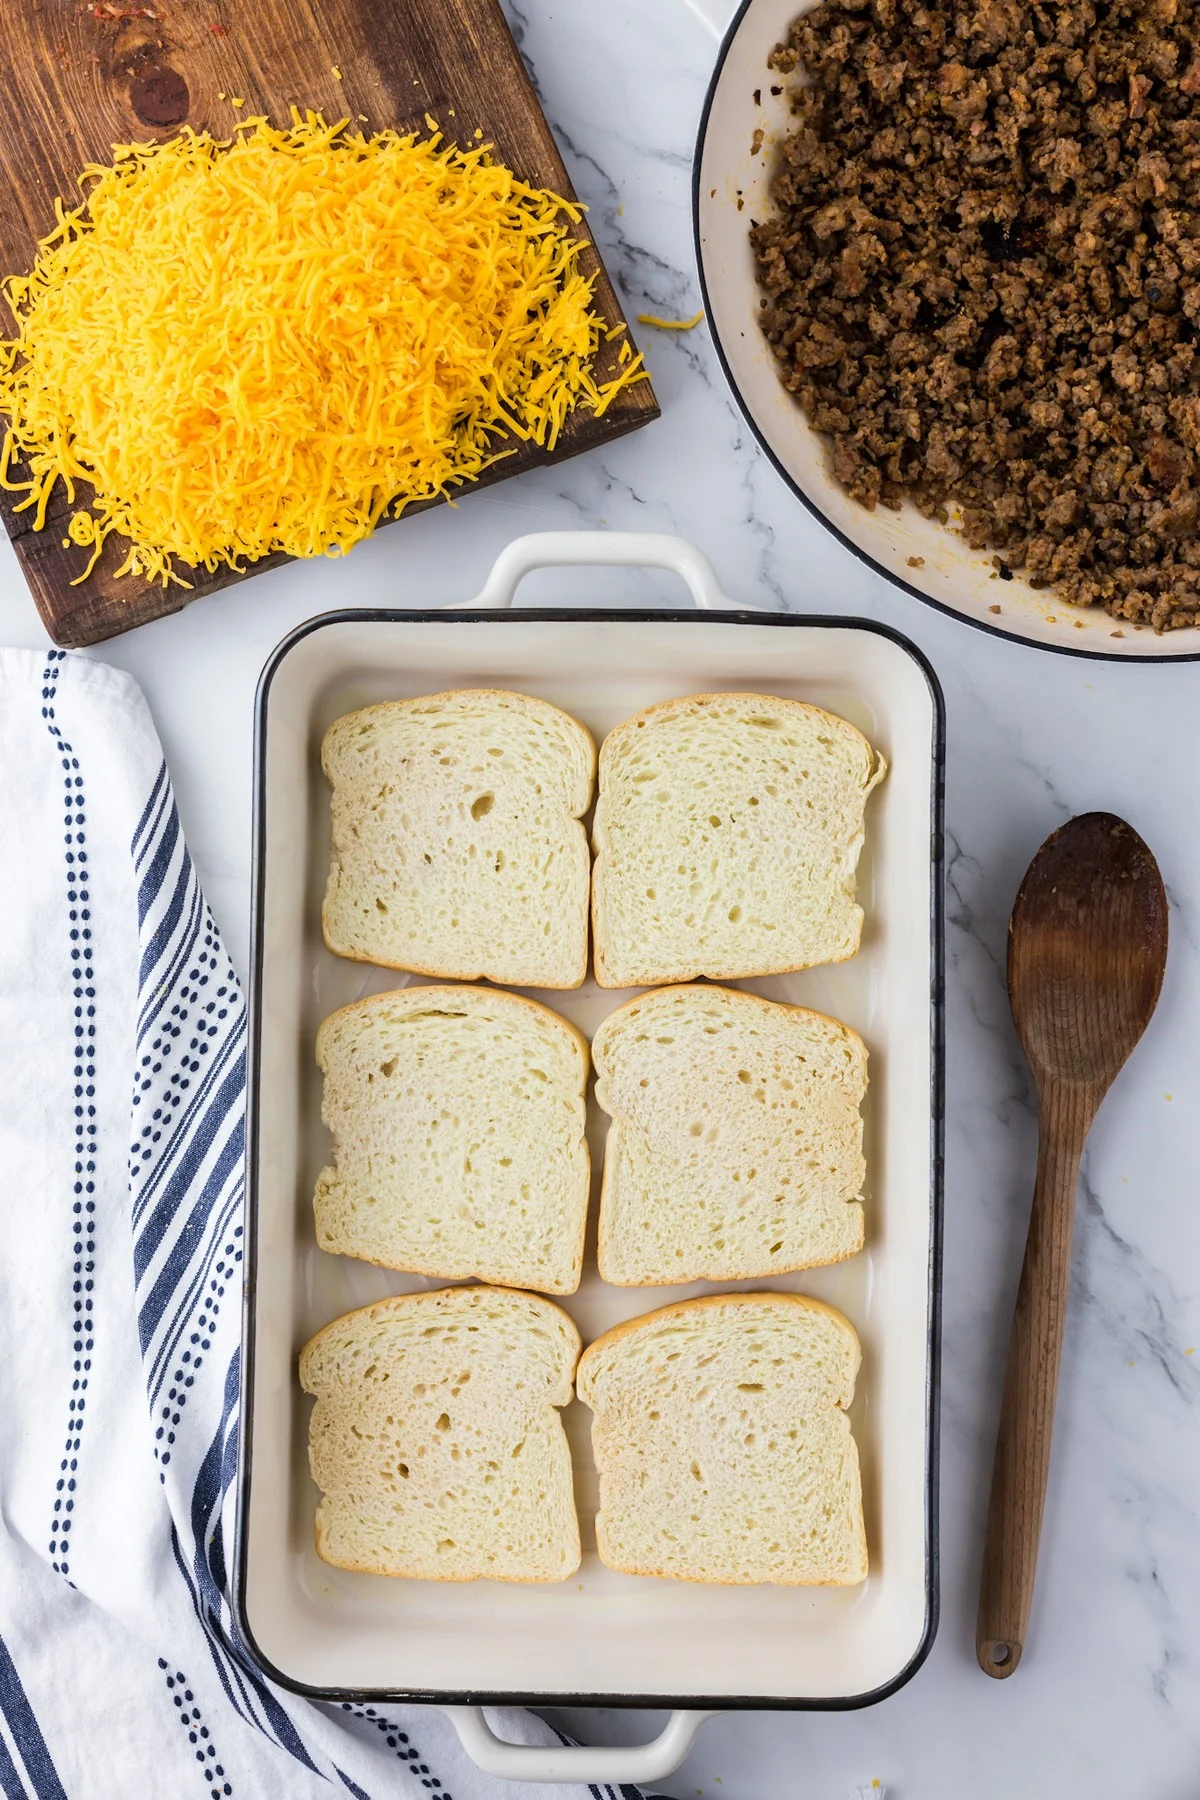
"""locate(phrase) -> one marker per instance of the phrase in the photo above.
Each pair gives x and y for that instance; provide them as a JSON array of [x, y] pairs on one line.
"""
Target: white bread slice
[[722, 1444], [435, 1439], [458, 1120], [457, 845], [735, 1148], [727, 834]]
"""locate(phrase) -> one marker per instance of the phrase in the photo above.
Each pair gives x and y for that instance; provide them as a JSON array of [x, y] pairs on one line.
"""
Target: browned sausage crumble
[[983, 281]]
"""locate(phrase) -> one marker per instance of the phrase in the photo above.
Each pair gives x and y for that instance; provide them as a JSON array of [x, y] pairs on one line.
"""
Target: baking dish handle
[[597, 549], [612, 1764]]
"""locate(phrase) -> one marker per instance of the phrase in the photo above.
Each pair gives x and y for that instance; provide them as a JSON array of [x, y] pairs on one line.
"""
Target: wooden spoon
[[1087, 945]]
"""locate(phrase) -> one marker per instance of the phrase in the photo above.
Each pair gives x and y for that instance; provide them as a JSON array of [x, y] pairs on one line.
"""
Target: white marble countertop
[[1107, 1701]]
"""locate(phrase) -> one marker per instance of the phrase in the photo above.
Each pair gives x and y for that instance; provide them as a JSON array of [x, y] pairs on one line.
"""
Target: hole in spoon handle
[[998, 1657]]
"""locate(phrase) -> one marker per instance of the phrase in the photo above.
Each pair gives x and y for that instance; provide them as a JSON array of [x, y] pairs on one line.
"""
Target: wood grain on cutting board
[[81, 75]]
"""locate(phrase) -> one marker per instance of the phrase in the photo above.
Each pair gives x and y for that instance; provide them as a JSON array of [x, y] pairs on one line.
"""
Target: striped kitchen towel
[[122, 1104]]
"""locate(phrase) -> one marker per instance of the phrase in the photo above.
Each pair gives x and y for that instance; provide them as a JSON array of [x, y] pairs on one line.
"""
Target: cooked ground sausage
[[982, 280]]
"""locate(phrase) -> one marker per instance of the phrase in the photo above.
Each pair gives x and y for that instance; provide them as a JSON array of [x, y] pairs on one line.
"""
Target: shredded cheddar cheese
[[267, 343], [670, 324]]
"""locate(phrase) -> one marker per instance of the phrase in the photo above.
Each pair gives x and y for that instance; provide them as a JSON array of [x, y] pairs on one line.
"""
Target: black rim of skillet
[[713, 1703], [863, 556]]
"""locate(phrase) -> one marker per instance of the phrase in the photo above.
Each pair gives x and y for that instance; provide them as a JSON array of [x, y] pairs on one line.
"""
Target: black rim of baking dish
[[1008, 636], [658, 1701]]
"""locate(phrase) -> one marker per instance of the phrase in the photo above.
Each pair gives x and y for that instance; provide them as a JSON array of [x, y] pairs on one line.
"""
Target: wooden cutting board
[[81, 75]]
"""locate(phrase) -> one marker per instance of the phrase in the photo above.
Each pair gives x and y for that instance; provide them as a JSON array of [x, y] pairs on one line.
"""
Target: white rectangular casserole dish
[[601, 1638]]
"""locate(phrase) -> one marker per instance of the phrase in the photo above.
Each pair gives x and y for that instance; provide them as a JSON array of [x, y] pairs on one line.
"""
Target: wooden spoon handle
[[1022, 1463]]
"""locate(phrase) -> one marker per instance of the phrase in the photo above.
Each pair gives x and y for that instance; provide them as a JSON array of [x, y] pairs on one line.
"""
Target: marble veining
[[1107, 1702]]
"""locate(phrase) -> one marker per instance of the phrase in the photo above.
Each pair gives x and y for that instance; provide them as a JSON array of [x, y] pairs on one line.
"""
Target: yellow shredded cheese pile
[[266, 343]]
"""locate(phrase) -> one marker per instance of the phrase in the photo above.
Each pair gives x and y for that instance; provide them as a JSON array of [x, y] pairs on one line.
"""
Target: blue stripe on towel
[[160, 983], [26, 1733], [226, 1104], [11, 1785], [187, 1149], [209, 1492], [189, 1239], [194, 1317], [153, 805], [186, 1133], [153, 880]]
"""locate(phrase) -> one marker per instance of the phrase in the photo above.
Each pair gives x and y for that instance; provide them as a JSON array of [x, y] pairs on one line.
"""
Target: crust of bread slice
[[436, 1438], [722, 1444], [727, 834], [458, 1122], [457, 844], [735, 1149]]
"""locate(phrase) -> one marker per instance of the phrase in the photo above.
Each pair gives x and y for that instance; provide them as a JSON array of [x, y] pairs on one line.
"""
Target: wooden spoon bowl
[[1087, 946]]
